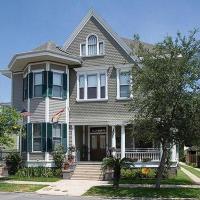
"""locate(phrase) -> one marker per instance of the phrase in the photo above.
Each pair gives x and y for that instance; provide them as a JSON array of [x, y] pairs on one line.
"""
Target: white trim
[[81, 49], [106, 133], [93, 68], [40, 137], [58, 71], [67, 109], [28, 100], [88, 16]]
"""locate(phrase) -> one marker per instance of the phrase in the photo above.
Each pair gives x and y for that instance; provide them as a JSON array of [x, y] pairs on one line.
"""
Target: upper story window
[[92, 46], [57, 85], [124, 84], [92, 86], [56, 135], [37, 137], [38, 84], [25, 87]]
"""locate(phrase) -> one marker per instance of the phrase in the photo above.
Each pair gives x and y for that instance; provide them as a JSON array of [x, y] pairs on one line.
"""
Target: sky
[[25, 24]]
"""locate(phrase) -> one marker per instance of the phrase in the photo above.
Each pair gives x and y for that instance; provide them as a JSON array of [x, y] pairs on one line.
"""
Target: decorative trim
[[93, 68]]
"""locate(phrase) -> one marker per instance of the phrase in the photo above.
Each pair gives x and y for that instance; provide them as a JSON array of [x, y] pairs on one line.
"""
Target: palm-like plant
[[116, 164]]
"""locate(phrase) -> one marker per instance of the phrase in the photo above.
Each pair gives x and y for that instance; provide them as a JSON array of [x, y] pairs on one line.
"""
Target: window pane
[[57, 91], [124, 91], [83, 50], [92, 40], [56, 143], [102, 141], [38, 78], [81, 81], [38, 90], [56, 132], [81, 93], [124, 78], [57, 79], [101, 48], [92, 45], [103, 92], [92, 93], [94, 141], [92, 80], [36, 130], [37, 144]]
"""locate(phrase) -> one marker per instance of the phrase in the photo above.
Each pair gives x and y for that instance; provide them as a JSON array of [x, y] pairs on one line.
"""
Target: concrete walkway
[[194, 178], [181, 163]]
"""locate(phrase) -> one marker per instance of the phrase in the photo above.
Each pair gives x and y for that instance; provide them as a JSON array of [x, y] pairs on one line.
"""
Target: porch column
[[122, 141], [173, 153], [114, 140], [73, 136]]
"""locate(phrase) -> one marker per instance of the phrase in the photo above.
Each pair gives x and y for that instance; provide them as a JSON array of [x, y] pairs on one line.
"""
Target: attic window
[[92, 46]]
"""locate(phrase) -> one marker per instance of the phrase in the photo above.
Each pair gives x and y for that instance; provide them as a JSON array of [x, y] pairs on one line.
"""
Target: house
[[87, 84]]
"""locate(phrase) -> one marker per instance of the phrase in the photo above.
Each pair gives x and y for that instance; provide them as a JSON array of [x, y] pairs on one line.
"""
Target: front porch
[[94, 142]]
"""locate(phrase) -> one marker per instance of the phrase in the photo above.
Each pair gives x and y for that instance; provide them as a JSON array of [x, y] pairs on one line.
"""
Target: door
[[97, 147]]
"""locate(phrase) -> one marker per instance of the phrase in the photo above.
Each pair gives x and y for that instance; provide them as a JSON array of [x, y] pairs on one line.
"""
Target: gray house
[[85, 87]]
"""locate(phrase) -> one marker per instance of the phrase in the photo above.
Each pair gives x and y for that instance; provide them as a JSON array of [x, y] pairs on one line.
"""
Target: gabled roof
[[107, 27]]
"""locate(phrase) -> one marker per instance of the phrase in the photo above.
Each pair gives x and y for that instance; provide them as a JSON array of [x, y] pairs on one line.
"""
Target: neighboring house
[[192, 155], [87, 81]]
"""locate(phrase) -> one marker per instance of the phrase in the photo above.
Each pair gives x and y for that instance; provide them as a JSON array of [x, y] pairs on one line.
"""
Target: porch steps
[[87, 171]]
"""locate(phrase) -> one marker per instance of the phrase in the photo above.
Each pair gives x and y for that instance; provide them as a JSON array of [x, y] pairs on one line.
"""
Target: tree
[[9, 124], [166, 93]]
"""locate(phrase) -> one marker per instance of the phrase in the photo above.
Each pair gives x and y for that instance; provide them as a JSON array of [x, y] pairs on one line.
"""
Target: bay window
[[56, 135], [57, 85], [38, 84], [37, 137], [124, 84], [92, 86]]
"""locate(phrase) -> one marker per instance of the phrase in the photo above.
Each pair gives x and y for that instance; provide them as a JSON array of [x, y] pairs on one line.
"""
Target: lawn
[[192, 170], [180, 179], [7, 187], [37, 179], [107, 191]]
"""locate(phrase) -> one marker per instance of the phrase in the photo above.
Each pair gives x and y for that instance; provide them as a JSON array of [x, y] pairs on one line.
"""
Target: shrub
[[59, 156], [13, 162], [146, 159]]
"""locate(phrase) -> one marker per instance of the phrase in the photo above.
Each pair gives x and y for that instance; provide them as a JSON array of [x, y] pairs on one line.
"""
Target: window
[[37, 139], [81, 86], [92, 86], [56, 135], [92, 45], [57, 85], [124, 84], [102, 85], [83, 49], [101, 50], [38, 84]]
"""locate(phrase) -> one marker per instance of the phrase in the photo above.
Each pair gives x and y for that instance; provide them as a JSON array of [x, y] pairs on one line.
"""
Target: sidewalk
[[194, 178], [198, 169]]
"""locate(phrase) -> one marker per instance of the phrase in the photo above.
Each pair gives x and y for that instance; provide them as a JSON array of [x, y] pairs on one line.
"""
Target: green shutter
[[44, 83], [64, 86], [24, 140], [44, 138], [29, 137], [30, 75], [23, 96], [64, 136], [49, 137], [50, 83]]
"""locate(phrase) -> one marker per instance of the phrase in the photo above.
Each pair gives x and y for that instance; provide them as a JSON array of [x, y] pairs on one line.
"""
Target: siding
[[37, 109], [17, 91], [37, 156]]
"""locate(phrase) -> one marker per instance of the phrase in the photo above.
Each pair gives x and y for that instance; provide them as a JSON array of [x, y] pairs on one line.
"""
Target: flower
[[145, 171]]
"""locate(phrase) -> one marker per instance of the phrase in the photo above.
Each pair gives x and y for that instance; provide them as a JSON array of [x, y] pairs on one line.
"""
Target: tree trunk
[[161, 167]]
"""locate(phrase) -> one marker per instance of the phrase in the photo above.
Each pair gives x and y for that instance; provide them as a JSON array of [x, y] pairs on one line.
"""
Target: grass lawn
[[7, 187], [192, 170], [180, 179], [37, 179], [107, 191]]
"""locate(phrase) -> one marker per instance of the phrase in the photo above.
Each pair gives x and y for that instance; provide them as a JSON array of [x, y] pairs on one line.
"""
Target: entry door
[[97, 147]]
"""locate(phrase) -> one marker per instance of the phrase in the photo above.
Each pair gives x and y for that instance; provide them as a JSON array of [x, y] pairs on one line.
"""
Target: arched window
[[92, 45]]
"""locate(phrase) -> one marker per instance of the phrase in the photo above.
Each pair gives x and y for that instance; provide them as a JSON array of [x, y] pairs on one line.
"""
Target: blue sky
[[25, 24]]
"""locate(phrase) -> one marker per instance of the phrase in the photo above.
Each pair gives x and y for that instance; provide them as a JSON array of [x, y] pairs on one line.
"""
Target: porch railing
[[141, 154]]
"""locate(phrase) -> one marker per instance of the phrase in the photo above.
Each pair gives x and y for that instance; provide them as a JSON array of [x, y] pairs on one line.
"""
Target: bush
[[13, 162], [59, 156], [146, 159], [38, 172]]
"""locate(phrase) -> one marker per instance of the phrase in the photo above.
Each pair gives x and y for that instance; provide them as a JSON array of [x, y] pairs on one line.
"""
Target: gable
[[114, 52]]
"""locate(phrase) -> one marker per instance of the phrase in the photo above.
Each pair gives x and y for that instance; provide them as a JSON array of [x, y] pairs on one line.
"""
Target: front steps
[[87, 171]]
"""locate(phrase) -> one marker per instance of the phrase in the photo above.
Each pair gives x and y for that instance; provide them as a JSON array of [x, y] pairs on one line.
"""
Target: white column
[[114, 140], [73, 135], [122, 141], [173, 153]]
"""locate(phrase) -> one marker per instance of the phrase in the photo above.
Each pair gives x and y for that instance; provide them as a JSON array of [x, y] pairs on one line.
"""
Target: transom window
[[92, 86], [92, 46], [124, 84], [38, 84], [37, 137], [57, 85], [56, 135]]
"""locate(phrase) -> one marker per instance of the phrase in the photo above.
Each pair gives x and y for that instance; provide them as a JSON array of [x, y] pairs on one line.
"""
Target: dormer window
[[92, 46]]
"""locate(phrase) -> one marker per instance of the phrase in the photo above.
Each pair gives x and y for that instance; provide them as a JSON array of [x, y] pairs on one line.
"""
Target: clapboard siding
[[55, 105], [37, 109], [37, 156], [17, 91]]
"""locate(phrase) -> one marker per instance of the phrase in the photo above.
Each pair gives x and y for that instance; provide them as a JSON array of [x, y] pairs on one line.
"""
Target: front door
[[97, 147]]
